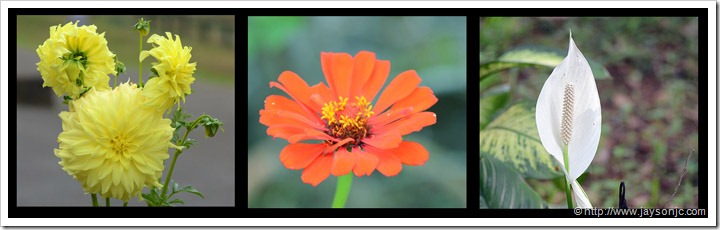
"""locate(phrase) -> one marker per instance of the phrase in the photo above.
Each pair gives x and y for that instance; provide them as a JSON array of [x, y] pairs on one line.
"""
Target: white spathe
[[574, 71]]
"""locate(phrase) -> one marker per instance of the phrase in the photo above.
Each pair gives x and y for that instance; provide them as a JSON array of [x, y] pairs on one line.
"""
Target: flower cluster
[[354, 135], [114, 141]]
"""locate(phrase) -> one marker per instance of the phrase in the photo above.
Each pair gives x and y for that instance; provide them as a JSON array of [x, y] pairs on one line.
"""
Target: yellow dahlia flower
[[75, 59], [112, 144], [173, 69]]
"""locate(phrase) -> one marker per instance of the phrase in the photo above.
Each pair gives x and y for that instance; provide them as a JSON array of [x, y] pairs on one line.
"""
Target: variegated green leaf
[[501, 186], [513, 138], [534, 56], [491, 102]]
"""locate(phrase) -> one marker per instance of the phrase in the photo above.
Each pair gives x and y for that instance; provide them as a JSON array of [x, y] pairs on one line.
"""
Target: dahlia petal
[[300, 155], [366, 162], [342, 68], [400, 87], [317, 171], [377, 79], [388, 163], [116, 174], [363, 65], [408, 125], [384, 140], [343, 162], [411, 153]]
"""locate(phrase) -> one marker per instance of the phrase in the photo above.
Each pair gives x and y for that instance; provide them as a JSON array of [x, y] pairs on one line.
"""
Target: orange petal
[[407, 125], [298, 156], [269, 119], [386, 140], [420, 99], [283, 103], [388, 164], [366, 162], [411, 153], [363, 65], [297, 88], [342, 68], [404, 84], [321, 94], [310, 134], [389, 116], [377, 79], [343, 162], [283, 131], [272, 117], [317, 171], [326, 60]]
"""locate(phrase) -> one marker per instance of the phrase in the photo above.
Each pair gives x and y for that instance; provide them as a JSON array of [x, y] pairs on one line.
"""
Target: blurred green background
[[433, 46], [649, 107], [209, 166]]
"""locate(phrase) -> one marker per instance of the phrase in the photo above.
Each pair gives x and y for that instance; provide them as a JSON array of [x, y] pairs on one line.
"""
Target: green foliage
[[503, 187], [491, 103], [512, 137], [156, 199], [535, 57]]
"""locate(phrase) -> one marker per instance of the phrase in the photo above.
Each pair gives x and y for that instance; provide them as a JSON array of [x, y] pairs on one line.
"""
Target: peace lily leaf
[[534, 56], [489, 82], [568, 113], [492, 102], [512, 137], [501, 186]]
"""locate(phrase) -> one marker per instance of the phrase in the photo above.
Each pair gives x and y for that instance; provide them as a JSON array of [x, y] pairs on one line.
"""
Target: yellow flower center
[[120, 145], [347, 120]]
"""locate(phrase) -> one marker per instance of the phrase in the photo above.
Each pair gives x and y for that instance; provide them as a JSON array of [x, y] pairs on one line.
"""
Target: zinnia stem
[[107, 202], [94, 199], [568, 196], [140, 83], [342, 190]]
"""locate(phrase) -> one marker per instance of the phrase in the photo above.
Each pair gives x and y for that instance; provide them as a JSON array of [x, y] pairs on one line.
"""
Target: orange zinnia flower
[[354, 135]]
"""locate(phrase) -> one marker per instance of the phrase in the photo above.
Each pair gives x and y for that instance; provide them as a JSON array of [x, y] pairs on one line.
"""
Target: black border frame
[[241, 210]]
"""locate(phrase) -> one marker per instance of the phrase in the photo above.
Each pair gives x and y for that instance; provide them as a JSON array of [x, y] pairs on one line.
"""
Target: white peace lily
[[568, 116]]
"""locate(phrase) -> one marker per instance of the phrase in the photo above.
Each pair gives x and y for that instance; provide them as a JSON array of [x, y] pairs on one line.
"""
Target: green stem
[[342, 190], [125, 204], [170, 172], [178, 152], [568, 195], [94, 199], [140, 83], [107, 202]]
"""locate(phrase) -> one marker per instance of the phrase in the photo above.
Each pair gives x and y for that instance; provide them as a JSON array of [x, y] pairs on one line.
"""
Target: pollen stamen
[[567, 114], [347, 120]]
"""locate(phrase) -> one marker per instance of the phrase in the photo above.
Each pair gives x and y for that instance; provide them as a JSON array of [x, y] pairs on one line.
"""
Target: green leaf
[[190, 189], [489, 82], [535, 56], [491, 103], [176, 201], [513, 138], [501, 186]]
